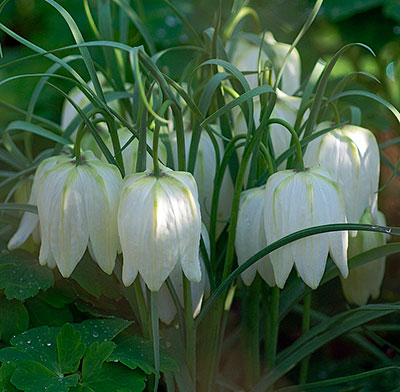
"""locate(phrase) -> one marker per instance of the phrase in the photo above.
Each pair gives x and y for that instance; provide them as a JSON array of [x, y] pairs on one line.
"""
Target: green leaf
[[41, 313], [14, 318], [95, 356], [37, 344], [93, 280], [70, 349], [22, 282], [101, 330], [37, 130], [116, 378], [6, 371], [134, 351], [319, 336], [31, 376]]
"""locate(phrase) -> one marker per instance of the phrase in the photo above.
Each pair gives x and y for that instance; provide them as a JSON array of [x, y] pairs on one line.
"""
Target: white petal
[[67, 224], [102, 183]]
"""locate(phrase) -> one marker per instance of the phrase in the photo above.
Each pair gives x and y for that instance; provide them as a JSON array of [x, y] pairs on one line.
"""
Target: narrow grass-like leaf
[[37, 130], [18, 207], [284, 241]]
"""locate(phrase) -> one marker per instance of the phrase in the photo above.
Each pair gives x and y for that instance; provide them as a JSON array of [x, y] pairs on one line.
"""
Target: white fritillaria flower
[[30, 221], [352, 155], [251, 237], [77, 205], [295, 200], [246, 54], [365, 281], [159, 225], [130, 152]]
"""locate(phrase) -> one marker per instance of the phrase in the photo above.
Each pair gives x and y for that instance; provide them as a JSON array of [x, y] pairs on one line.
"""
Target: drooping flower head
[[30, 221], [251, 237], [365, 280], [352, 155], [77, 205], [159, 225], [295, 200]]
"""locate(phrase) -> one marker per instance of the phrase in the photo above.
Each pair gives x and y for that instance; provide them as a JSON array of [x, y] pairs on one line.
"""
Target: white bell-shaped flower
[[159, 225], [295, 200], [204, 174], [77, 204], [30, 221], [130, 152], [365, 281], [352, 155], [251, 237], [166, 305], [245, 58]]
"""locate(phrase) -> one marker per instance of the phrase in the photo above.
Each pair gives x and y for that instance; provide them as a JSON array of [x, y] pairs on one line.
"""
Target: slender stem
[[295, 138], [190, 329], [78, 140], [251, 333], [304, 329], [144, 318], [155, 329], [273, 341], [112, 128], [156, 166]]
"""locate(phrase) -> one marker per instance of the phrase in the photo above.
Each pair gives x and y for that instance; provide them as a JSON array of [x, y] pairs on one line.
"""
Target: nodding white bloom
[[204, 174], [245, 58], [166, 305], [251, 237], [295, 200], [77, 206], [286, 108], [352, 155], [130, 152], [159, 225], [365, 281], [30, 221]]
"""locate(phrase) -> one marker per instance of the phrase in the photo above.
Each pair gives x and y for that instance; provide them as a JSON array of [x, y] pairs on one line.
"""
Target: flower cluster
[[155, 217]]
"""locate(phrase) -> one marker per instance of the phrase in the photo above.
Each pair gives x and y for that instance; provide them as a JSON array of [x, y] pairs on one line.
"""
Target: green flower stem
[[268, 158], [155, 329], [295, 138], [190, 328], [271, 344], [80, 132], [112, 128], [230, 148], [144, 317], [251, 333], [304, 329]]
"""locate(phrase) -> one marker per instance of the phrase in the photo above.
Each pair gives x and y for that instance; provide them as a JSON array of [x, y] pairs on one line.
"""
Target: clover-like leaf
[[70, 349], [114, 377], [95, 356], [22, 277], [14, 318], [32, 376], [96, 330], [6, 371], [134, 351]]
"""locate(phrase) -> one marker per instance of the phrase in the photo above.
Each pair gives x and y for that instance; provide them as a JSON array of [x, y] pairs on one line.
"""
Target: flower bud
[[77, 203], [365, 281], [30, 221], [159, 225], [251, 237], [295, 200], [352, 155]]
